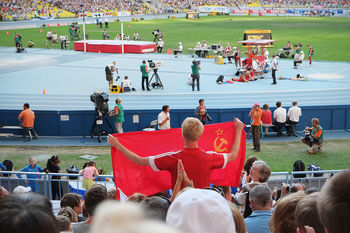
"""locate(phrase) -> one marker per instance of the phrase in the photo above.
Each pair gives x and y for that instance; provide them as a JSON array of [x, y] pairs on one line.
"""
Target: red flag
[[131, 178]]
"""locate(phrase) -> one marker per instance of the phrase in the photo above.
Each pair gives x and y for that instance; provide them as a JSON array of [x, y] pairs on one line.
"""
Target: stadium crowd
[[254, 208], [26, 9]]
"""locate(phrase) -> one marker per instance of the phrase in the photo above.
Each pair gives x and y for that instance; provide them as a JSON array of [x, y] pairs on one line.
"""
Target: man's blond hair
[[192, 128]]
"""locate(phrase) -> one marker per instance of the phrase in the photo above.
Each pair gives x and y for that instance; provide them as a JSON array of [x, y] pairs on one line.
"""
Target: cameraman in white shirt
[[164, 118], [294, 113]]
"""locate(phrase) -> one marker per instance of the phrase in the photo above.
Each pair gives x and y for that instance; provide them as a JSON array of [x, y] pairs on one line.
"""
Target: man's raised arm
[[114, 142], [237, 141]]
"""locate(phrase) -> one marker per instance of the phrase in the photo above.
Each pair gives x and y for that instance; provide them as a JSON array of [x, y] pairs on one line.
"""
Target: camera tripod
[[157, 81], [99, 117]]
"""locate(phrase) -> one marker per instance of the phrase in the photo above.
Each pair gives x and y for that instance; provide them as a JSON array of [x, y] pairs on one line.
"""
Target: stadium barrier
[[73, 182], [78, 123]]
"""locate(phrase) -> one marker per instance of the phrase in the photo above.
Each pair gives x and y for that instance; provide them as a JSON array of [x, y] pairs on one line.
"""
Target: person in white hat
[[22, 189], [201, 211]]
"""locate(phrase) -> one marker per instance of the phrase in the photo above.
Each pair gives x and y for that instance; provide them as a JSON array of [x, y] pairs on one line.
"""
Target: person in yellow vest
[[315, 139]]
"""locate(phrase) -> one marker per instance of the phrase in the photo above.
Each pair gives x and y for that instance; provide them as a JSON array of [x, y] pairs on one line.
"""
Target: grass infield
[[279, 156], [329, 36]]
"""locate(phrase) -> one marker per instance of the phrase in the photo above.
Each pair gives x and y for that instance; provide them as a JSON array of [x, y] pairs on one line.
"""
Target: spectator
[[191, 155], [26, 213], [296, 187], [112, 193], [333, 203], [294, 113], [315, 139], [32, 178], [89, 172], [52, 167], [101, 172], [238, 219], [21, 189], [255, 114], [259, 173], [74, 201], [279, 118], [266, 118], [137, 197], [261, 203], [305, 214], [2, 166], [112, 216], [93, 197], [246, 169], [3, 192], [191, 210], [27, 118], [156, 207], [69, 213], [164, 118], [283, 219], [118, 114], [63, 223]]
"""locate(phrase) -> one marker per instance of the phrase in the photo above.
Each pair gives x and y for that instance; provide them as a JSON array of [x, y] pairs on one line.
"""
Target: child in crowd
[[89, 172]]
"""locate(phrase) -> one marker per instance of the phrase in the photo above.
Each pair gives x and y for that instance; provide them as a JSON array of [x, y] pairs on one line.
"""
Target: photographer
[[195, 73], [109, 72], [201, 113], [314, 137], [64, 41], [156, 35]]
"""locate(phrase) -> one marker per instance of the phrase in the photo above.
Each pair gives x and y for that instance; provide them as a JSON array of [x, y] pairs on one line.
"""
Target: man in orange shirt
[[27, 117], [255, 115]]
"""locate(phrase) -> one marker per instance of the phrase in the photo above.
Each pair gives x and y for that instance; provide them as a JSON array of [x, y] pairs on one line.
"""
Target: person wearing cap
[[255, 115], [179, 50], [32, 178], [21, 189], [201, 211], [198, 163]]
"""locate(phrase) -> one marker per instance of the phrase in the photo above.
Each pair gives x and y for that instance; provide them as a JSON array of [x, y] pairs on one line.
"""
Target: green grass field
[[328, 36], [279, 156]]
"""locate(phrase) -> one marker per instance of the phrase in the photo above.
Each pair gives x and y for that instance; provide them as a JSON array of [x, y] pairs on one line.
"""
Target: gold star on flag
[[219, 132]]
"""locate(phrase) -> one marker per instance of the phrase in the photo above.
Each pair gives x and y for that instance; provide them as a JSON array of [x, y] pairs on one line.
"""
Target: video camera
[[101, 101], [156, 32], [155, 65], [196, 62]]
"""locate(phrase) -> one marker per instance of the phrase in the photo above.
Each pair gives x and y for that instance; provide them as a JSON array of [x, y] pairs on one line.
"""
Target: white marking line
[[201, 93], [342, 71]]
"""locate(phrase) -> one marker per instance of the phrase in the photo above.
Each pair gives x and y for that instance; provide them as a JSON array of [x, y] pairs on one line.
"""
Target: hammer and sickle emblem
[[219, 148]]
